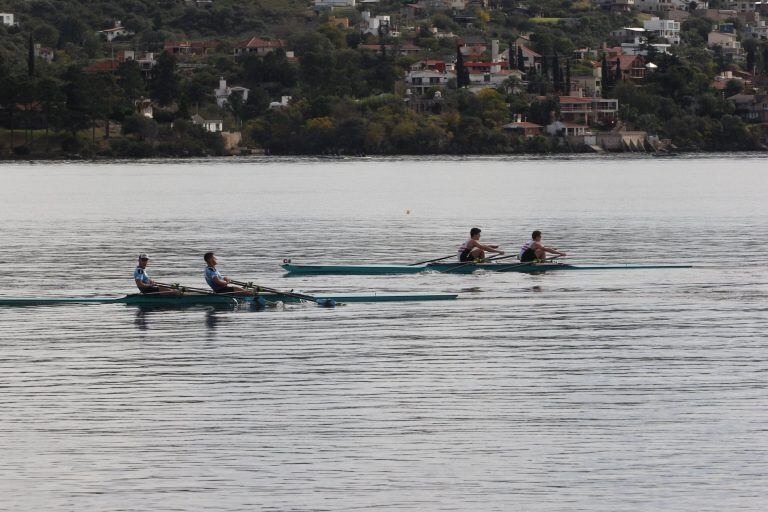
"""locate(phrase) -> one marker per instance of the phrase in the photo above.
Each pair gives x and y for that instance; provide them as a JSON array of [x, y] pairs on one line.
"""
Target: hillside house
[[110, 34]]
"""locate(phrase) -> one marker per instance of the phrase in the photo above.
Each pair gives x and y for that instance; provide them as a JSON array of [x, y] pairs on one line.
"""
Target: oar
[[546, 260], [432, 261], [182, 289], [484, 260], [327, 303]]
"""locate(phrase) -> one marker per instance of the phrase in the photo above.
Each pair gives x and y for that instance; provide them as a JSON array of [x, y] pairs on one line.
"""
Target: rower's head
[[474, 233], [143, 260], [536, 235], [210, 259]]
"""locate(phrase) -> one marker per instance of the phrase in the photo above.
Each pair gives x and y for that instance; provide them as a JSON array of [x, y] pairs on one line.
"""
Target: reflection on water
[[621, 390]]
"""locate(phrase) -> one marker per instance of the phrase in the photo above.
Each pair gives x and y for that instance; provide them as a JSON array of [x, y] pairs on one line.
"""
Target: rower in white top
[[534, 250], [472, 249]]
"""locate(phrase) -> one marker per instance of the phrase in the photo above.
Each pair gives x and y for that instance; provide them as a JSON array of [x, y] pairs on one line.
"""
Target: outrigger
[[260, 298], [490, 264]]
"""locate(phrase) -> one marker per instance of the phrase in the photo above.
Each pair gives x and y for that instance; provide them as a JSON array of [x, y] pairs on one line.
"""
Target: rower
[[217, 282], [472, 249], [534, 251], [143, 281]]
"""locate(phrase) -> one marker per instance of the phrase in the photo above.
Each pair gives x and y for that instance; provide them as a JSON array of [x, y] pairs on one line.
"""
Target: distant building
[[211, 125], [258, 46], [589, 110], [7, 19], [43, 52], [113, 33], [521, 127], [190, 47], [223, 92], [727, 41], [419, 82], [666, 29], [283, 103], [326, 4], [373, 24]]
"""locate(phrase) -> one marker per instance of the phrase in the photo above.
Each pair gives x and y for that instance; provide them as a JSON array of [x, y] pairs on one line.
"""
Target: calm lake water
[[594, 391]]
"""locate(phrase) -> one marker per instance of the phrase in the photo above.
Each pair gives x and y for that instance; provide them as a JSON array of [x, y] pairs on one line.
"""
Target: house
[[401, 49], [744, 5], [589, 110], [419, 82], [371, 25], [102, 66], [567, 129], [283, 103], [211, 125], [197, 48], [520, 127], [617, 5], [632, 66], [531, 59], [330, 4], [43, 52], [492, 80], [223, 92], [587, 85], [728, 42], [753, 108], [258, 46], [113, 33], [651, 6], [7, 19], [665, 29], [145, 60], [429, 65]]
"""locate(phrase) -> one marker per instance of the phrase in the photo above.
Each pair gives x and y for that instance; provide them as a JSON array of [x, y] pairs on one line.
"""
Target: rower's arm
[[552, 250], [142, 285], [221, 281], [489, 248]]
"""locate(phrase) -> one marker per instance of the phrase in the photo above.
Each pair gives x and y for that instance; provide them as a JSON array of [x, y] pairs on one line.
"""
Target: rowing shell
[[192, 299], [462, 268]]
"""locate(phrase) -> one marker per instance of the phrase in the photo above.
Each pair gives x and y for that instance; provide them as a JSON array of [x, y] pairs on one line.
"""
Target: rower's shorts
[[528, 256], [465, 256], [150, 289], [226, 289]]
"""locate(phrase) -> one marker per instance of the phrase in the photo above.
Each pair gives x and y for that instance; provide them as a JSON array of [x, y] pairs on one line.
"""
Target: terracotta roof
[[574, 99], [522, 124], [103, 66], [256, 42]]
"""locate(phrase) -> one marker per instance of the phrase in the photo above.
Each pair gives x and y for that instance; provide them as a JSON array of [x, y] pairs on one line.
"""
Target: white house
[[211, 125], [7, 18], [283, 103], [334, 3], [113, 33], [419, 82], [372, 24], [224, 92], [667, 29]]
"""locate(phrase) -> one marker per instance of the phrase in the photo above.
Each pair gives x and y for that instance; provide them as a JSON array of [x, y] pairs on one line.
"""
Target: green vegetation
[[346, 99]]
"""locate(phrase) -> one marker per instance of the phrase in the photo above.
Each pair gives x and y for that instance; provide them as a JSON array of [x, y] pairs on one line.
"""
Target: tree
[[520, 59], [751, 45], [31, 57], [462, 74], [618, 77], [164, 84], [568, 77], [606, 76], [131, 80]]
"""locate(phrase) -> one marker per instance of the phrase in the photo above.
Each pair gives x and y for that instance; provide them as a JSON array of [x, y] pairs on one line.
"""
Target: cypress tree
[[512, 64], [31, 57], [568, 77], [618, 70], [520, 59], [462, 75]]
